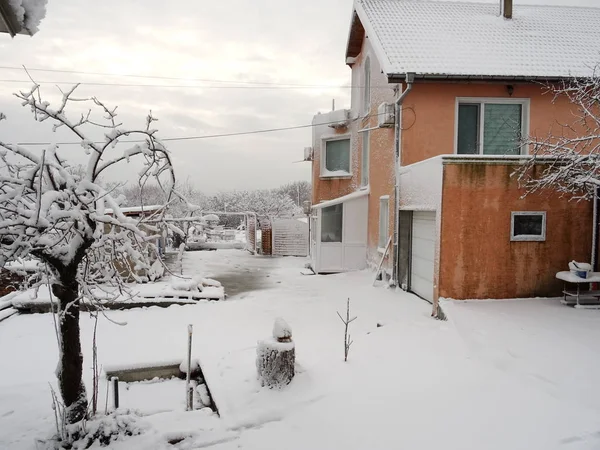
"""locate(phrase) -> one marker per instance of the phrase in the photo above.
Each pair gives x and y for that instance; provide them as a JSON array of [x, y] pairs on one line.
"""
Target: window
[[491, 127], [364, 173], [384, 219], [528, 226], [337, 158], [366, 107], [331, 223]]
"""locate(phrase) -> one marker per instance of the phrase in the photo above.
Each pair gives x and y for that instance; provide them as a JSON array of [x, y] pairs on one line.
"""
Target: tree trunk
[[70, 367], [275, 363]]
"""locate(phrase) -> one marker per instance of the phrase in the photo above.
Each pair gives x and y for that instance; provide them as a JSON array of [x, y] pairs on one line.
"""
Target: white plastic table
[[570, 277]]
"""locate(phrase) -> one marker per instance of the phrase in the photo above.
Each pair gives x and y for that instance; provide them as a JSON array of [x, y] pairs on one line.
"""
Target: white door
[[422, 254]]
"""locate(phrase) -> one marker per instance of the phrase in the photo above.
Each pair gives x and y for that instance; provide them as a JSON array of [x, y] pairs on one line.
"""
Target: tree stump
[[276, 356]]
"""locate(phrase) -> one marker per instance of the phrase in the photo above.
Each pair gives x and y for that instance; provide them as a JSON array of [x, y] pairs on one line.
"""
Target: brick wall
[[266, 239]]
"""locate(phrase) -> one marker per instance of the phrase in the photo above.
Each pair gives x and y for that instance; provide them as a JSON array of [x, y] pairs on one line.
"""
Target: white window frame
[[365, 162], [525, 110], [365, 100], [337, 137], [383, 198], [527, 237]]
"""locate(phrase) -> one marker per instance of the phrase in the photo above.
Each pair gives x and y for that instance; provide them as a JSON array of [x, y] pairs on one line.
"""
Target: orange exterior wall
[[428, 116], [478, 259]]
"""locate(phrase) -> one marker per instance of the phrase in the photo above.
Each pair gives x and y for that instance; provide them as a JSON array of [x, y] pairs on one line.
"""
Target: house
[[424, 158]]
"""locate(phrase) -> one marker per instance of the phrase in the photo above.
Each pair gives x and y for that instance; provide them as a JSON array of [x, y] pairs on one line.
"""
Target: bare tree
[[347, 321], [298, 191], [568, 159], [65, 218]]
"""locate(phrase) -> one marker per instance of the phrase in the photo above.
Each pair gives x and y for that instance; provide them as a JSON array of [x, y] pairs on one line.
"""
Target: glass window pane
[[528, 224], [502, 129], [364, 173], [468, 129], [331, 223], [337, 155], [384, 218]]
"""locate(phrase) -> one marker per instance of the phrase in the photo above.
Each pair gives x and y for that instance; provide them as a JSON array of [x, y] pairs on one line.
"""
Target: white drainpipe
[[409, 79]]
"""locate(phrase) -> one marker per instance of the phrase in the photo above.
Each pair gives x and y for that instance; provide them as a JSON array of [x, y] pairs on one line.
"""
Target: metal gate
[[290, 237]]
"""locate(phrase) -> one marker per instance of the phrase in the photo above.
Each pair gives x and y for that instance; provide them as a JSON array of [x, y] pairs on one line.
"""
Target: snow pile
[[29, 13], [210, 282], [194, 366], [186, 284], [281, 330]]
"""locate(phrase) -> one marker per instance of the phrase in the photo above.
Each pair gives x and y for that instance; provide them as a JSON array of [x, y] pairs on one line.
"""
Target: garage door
[[422, 254]]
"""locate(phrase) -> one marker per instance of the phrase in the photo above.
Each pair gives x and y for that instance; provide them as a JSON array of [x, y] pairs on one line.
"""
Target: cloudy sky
[[271, 63]]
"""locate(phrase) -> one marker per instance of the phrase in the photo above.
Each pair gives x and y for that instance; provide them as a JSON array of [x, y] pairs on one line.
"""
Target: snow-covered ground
[[496, 375]]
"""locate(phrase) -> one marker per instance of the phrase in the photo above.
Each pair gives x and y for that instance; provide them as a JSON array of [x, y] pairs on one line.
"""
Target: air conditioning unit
[[339, 119], [385, 115], [308, 153]]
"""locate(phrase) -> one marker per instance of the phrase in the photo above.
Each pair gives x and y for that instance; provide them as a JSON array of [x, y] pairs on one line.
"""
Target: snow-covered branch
[[68, 220], [569, 161]]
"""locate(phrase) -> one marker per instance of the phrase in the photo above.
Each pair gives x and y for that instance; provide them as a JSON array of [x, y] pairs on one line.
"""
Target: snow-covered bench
[[580, 294]]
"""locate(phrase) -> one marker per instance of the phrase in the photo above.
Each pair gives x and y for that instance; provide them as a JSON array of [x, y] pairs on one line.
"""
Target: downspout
[[409, 79], [595, 230]]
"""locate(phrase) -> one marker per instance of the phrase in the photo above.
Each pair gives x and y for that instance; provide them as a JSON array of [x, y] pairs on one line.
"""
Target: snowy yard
[[497, 375]]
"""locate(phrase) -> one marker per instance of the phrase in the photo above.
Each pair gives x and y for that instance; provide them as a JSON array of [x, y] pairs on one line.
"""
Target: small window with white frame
[[384, 221], [491, 126], [335, 161], [528, 226]]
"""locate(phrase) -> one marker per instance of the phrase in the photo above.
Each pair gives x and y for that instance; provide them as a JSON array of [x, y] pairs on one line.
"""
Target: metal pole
[[115, 383], [188, 391]]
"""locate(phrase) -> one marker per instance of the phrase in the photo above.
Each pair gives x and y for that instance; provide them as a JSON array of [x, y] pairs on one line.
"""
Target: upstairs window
[[366, 105], [493, 127], [337, 158]]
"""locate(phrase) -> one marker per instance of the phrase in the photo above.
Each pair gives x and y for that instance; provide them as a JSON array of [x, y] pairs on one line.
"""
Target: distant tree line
[[284, 201]]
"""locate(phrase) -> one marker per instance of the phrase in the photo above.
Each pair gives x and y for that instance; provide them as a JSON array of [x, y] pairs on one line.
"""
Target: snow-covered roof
[[463, 40], [21, 16], [345, 198]]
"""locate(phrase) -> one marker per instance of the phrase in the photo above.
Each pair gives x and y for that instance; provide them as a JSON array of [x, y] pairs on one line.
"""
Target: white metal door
[[422, 254]]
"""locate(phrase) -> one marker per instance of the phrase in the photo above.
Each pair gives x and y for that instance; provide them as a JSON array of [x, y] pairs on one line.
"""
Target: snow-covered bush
[[100, 432], [61, 217]]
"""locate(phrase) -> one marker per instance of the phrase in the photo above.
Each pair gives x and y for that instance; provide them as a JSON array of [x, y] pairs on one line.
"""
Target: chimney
[[506, 8]]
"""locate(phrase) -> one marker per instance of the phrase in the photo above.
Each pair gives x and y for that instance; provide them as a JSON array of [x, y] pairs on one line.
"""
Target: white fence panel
[[290, 237]]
